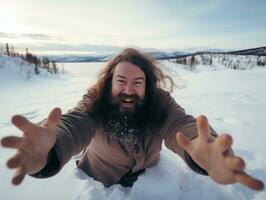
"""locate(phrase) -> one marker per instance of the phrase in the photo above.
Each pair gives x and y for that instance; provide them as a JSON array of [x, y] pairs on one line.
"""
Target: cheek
[[115, 90], [141, 93]]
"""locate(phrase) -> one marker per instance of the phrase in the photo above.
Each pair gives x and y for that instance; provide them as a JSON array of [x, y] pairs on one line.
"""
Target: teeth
[[128, 100]]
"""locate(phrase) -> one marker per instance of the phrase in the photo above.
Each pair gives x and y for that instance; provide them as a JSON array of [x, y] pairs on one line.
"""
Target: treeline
[[229, 61], [192, 61], [30, 58]]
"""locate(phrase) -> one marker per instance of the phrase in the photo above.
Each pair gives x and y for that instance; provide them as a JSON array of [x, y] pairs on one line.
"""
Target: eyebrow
[[136, 79]]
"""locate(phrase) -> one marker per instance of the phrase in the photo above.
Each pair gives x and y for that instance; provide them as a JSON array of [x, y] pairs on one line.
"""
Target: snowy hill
[[233, 100], [15, 69]]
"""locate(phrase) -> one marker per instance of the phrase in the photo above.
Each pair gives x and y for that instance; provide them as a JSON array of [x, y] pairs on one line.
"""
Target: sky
[[101, 26]]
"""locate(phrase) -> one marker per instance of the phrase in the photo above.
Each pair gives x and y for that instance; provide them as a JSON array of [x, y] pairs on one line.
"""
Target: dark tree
[[7, 50], [55, 69]]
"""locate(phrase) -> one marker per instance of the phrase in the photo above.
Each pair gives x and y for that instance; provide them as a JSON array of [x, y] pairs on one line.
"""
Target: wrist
[[194, 166], [51, 166]]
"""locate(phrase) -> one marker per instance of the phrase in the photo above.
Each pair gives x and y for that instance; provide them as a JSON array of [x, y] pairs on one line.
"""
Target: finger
[[183, 141], [249, 181], [223, 142], [54, 117], [15, 161], [235, 163], [19, 176], [23, 124], [203, 128], [11, 142]]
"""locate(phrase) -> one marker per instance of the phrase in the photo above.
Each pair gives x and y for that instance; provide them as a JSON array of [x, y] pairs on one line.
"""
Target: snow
[[13, 68], [233, 101]]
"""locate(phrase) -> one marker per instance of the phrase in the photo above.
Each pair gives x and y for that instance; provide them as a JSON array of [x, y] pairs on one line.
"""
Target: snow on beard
[[121, 123]]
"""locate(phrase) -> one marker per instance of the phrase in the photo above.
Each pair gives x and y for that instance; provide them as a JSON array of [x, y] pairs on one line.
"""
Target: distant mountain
[[260, 51], [199, 49], [103, 58], [80, 58], [160, 55]]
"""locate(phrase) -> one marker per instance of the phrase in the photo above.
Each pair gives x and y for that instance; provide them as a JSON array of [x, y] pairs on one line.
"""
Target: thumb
[[182, 141], [54, 117]]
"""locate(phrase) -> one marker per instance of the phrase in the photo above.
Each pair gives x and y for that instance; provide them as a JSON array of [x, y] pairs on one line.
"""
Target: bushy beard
[[116, 101], [125, 125]]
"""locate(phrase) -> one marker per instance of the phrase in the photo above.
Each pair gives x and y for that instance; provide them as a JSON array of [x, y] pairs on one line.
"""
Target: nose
[[128, 89]]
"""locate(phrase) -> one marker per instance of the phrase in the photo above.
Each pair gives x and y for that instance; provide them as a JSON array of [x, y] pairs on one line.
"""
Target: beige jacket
[[104, 158]]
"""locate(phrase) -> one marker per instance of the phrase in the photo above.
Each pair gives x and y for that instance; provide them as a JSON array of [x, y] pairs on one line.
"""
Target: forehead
[[128, 70]]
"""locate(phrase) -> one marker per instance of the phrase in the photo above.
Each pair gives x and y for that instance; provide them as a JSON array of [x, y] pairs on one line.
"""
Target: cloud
[[7, 35], [32, 36], [77, 47], [66, 48]]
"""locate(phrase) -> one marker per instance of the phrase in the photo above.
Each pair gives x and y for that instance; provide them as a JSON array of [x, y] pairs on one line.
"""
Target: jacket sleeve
[[178, 121], [74, 132]]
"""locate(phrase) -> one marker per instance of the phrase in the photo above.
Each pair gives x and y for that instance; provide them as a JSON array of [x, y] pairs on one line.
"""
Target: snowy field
[[234, 102]]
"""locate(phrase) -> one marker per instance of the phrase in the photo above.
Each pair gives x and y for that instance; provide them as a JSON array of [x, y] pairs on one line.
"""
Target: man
[[119, 127]]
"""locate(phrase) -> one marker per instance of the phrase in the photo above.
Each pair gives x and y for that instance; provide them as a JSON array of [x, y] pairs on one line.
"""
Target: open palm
[[214, 154], [34, 145]]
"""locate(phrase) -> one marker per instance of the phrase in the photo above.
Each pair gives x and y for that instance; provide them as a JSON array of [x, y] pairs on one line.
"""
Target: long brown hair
[[156, 80]]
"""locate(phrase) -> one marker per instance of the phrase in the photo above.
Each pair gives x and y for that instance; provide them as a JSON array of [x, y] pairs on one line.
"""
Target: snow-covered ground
[[234, 101]]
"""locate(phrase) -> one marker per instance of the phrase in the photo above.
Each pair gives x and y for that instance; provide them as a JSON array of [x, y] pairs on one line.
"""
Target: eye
[[137, 83], [120, 81]]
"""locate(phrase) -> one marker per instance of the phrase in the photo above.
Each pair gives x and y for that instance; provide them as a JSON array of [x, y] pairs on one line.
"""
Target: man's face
[[128, 86]]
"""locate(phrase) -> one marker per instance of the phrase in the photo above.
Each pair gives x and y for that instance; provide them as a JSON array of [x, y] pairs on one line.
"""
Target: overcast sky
[[91, 26]]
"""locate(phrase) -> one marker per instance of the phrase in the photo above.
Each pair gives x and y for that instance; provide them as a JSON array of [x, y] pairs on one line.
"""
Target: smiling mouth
[[127, 102]]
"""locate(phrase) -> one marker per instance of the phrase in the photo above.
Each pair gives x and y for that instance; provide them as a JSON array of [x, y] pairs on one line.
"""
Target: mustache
[[133, 96]]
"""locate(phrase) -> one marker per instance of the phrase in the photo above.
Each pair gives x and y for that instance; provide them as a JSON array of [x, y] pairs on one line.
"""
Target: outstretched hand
[[34, 145], [214, 154]]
